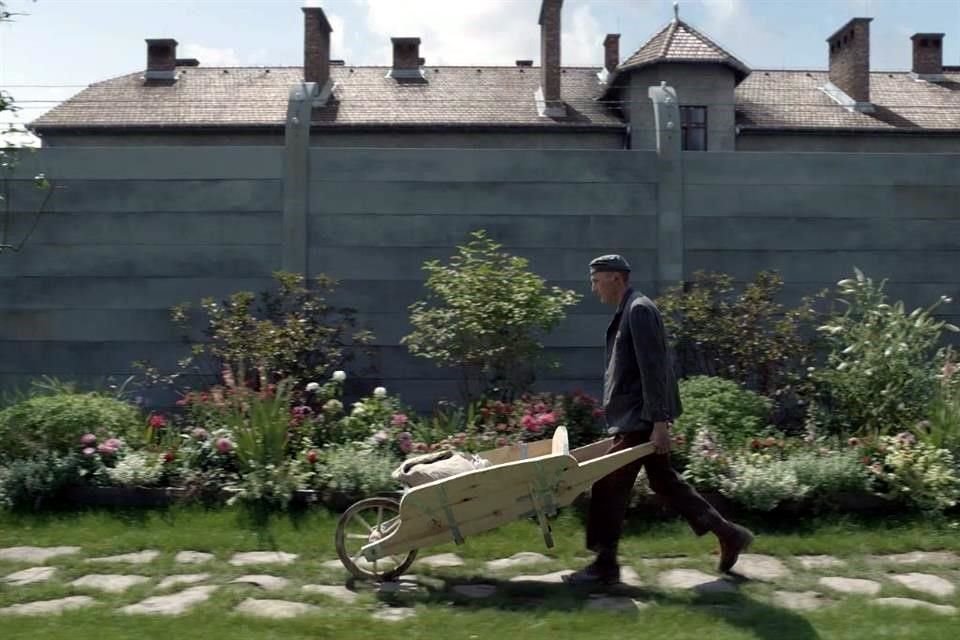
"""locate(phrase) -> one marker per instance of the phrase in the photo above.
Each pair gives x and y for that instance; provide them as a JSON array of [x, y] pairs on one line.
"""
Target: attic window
[[693, 128]]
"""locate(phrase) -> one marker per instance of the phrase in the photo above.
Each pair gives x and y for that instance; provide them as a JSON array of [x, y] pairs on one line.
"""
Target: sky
[[60, 46]]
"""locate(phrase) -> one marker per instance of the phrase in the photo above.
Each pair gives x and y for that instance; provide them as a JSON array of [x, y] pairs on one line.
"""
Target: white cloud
[[338, 46], [731, 25], [210, 56], [582, 39], [455, 32]]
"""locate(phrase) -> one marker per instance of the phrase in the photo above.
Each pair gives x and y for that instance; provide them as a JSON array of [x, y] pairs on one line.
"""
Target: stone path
[[803, 583]]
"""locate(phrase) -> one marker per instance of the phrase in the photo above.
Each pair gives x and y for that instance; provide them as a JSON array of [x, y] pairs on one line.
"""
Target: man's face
[[608, 286]]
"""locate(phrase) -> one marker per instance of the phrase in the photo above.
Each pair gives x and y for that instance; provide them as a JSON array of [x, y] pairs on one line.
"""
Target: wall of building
[[701, 85], [134, 231], [850, 143]]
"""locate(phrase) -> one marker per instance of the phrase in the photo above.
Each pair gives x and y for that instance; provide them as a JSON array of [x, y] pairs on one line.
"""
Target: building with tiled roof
[[724, 104]]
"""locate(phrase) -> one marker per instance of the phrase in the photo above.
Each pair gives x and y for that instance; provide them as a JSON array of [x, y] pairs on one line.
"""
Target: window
[[693, 122]]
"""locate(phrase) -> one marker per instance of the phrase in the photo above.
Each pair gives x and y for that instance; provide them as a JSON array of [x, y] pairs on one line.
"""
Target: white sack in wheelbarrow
[[434, 466]]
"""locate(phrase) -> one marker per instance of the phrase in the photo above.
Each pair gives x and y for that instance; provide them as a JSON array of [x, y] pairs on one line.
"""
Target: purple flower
[[224, 445]]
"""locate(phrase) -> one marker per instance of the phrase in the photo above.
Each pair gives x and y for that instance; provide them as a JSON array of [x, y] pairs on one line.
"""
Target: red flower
[[157, 421], [312, 456], [168, 457]]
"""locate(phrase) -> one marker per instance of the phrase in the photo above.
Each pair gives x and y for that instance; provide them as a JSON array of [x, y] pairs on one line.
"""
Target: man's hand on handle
[[661, 437]]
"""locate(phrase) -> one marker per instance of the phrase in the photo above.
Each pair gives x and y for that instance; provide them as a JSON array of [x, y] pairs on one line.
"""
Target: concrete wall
[[850, 142], [700, 85], [133, 231]]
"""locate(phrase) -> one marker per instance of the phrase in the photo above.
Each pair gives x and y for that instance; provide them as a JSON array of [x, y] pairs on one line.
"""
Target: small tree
[[486, 314]]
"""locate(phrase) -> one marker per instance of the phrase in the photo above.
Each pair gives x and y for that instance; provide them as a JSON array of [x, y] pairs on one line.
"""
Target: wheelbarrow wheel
[[364, 522]]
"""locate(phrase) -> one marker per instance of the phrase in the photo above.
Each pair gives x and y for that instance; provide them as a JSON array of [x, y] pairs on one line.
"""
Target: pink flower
[[546, 418], [104, 450], [114, 443], [224, 445], [528, 421], [88, 439], [399, 420], [406, 446], [157, 421], [381, 437], [854, 442], [199, 433], [89, 451]]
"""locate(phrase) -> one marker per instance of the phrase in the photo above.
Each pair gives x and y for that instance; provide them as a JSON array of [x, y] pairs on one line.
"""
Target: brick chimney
[[850, 60], [161, 59], [611, 52], [316, 46], [406, 58], [928, 56], [549, 92]]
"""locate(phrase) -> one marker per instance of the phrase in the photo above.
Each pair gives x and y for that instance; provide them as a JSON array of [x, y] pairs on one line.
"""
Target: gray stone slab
[[29, 576], [427, 581], [48, 607], [173, 604], [442, 560], [400, 587], [275, 609], [857, 586], [521, 559], [109, 583], [629, 577], [800, 600], [394, 614], [926, 583], [333, 591], [139, 557], [262, 557], [910, 603], [193, 557], [548, 578], [693, 579], [266, 582], [618, 604], [666, 562], [35, 555], [819, 562], [475, 591], [937, 558], [760, 567], [182, 579]]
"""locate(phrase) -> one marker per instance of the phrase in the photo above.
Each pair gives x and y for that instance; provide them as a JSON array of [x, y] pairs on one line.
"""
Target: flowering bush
[[733, 414], [913, 472], [380, 419], [708, 464], [349, 472], [879, 376], [761, 481], [137, 469], [53, 423], [269, 486]]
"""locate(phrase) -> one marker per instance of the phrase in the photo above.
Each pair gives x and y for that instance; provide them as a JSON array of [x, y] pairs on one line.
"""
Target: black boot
[[604, 570]]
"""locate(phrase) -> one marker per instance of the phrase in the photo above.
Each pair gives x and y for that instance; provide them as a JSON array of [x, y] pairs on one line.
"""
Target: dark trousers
[[611, 494]]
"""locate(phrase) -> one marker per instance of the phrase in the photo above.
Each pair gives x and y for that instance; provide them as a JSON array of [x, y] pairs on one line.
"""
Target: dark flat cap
[[612, 262]]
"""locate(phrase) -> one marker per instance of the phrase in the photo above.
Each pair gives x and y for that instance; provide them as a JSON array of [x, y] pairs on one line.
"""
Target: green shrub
[[881, 371], [27, 483], [760, 481], [914, 473], [350, 472], [57, 422], [733, 414], [747, 337], [486, 314], [829, 473]]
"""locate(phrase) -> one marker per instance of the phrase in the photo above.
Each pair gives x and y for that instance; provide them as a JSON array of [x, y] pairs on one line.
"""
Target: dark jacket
[[639, 384]]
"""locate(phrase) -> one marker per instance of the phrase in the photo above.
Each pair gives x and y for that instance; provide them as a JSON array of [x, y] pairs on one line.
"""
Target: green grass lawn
[[516, 611]]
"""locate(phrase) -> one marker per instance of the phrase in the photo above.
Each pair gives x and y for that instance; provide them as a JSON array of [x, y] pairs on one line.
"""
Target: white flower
[[380, 392], [358, 409], [339, 376], [313, 386]]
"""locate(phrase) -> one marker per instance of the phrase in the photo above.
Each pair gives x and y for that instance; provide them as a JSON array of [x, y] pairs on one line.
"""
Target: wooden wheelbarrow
[[378, 538]]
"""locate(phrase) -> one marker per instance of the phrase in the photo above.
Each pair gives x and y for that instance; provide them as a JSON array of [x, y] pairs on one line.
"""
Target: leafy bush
[[26, 483], [137, 469], [55, 423], [486, 314], [746, 337], [732, 413], [293, 333], [708, 463], [914, 472], [760, 481], [829, 473], [350, 472], [941, 428], [879, 376]]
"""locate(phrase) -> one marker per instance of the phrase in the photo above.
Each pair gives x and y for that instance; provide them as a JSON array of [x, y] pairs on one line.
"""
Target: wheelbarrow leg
[[541, 517]]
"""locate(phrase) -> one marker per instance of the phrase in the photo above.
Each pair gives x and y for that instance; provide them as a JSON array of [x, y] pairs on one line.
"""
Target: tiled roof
[[679, 42], [793, 100], [255, 97]]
